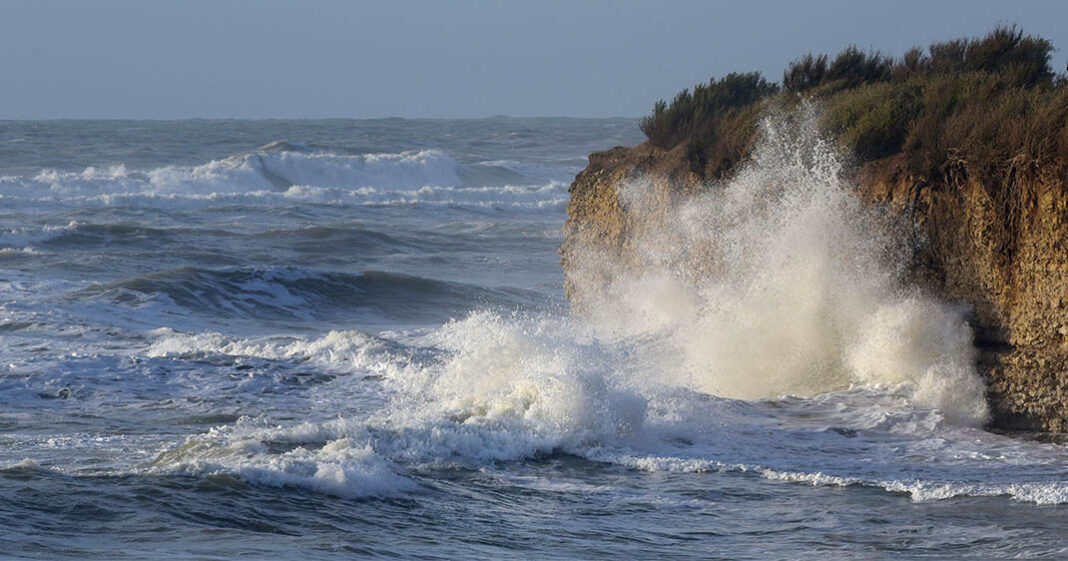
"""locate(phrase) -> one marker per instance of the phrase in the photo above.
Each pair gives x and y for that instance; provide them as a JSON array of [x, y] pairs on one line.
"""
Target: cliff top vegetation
[[991, 106]]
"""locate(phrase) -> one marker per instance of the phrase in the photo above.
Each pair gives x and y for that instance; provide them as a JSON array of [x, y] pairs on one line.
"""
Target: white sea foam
[[325, 458], [506, 387], [26, 464], [1049, 492], [348, 351], [526, 381]]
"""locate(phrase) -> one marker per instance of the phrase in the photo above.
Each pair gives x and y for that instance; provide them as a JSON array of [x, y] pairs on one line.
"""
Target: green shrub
[[874, 121], [852, 68], [804, 73], [982, 103], [695, 115]]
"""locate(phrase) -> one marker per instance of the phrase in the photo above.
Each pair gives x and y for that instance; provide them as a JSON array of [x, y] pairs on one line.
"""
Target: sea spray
[[532, 380], [780, 281]]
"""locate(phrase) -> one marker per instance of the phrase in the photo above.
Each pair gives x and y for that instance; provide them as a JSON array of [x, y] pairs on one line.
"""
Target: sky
[[439, 59]]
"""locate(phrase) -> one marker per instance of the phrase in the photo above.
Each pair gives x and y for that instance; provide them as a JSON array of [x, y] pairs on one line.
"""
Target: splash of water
[[781, 281]]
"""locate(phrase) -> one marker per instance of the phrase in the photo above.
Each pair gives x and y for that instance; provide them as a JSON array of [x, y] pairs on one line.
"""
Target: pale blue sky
[[274, 59]]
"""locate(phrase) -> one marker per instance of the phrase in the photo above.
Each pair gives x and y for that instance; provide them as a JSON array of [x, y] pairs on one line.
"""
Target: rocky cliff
[[1003, 252]]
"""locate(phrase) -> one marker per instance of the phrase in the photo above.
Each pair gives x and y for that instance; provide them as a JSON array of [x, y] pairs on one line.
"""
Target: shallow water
[[354, 341]]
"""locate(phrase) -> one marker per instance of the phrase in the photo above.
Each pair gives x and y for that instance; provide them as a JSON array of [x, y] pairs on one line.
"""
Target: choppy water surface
[[329, 339]]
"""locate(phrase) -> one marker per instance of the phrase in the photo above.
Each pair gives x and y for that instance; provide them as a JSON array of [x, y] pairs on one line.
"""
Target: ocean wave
[[1049, 492], [257, 171], [291, 293], [532, 172], [87, 234], [339, 351], [318, 239], [24, 238], [281, 172], [312, 239], [551, 195], [322, 458]]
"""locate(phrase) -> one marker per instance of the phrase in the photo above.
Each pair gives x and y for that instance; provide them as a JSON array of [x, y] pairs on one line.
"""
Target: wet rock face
[[1007, 260], [1011, 268]]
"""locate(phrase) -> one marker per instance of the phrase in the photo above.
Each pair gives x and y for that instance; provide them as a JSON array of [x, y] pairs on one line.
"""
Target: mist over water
[[354, 342]]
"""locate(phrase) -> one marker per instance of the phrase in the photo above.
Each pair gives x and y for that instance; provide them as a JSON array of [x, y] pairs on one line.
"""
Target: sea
[[345, 339]]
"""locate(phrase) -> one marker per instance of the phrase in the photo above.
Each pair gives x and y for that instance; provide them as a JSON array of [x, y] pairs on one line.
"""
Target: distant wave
[[18, 238], [311, 239], [262, 170], [81, 234], [290, 293], [326, 239], [283, 170]]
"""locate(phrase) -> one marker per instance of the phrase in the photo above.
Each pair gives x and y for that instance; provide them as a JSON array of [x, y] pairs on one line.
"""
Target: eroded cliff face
[[1007, 259], [600, 225]]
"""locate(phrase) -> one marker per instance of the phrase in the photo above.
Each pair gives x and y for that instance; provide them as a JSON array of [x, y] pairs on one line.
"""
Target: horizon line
[[394, 117]]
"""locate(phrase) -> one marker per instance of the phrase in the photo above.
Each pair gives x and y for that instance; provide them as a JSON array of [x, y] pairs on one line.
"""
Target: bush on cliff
[[695, 115], [990, 104], [851, 68]]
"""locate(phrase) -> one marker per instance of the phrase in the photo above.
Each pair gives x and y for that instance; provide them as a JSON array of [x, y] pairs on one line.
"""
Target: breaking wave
[[281, 172], [494, 388]]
